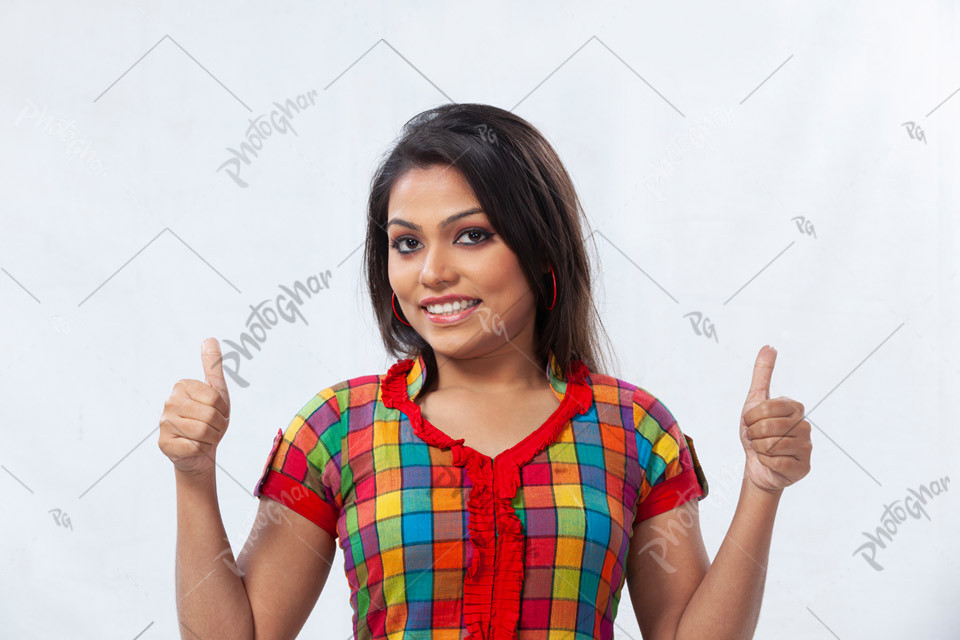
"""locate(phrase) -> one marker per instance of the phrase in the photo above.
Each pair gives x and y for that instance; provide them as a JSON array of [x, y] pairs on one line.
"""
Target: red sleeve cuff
[[304, 501], [670, 493]]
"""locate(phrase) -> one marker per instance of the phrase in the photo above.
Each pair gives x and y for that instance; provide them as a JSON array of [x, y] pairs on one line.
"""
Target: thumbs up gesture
[[774, 435], [196, 416]]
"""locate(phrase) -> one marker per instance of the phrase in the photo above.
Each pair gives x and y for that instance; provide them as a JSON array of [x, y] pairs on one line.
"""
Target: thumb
[[762, 372], [213, 366]]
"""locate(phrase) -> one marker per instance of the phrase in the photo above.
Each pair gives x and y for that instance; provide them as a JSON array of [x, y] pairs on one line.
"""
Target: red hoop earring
[[554, 301], [393, 296]]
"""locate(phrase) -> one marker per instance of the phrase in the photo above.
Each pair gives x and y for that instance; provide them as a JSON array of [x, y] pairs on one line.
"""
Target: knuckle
[[209, 415], [209, 395]]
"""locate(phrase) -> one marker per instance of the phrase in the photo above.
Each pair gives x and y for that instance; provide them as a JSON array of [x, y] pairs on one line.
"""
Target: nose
[[436, 269]]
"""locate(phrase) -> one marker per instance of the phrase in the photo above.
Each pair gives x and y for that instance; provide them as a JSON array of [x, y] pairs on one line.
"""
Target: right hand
[[196, 416]]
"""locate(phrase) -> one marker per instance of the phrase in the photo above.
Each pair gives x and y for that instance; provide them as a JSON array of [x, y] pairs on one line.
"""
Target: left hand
[[774, 435]]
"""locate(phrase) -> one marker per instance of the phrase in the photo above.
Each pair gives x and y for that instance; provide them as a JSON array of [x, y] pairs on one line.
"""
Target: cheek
[[507, 290], [401, 276], [501, 271]]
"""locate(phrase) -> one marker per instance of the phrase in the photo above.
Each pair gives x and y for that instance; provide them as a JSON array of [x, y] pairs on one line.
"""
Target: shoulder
[[610, 390], [663, 449], [350, 395]]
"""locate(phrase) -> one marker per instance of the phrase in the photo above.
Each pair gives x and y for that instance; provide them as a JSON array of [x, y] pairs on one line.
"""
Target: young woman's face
[[435, 253]]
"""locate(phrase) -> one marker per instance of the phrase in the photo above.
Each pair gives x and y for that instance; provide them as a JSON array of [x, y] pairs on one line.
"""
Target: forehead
[[431, 192]]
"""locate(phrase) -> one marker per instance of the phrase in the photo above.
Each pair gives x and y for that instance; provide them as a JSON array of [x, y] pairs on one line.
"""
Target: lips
[[445, 299], [452, 317]]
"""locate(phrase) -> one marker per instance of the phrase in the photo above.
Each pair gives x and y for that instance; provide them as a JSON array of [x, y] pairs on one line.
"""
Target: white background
[[697, 136]]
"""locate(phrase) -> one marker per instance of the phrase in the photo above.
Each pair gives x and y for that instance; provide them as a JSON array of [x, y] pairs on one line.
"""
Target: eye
[[485, 234], [396, 243], [403, 240]]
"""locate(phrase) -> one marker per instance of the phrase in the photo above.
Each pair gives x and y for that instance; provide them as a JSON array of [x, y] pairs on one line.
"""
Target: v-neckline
[[534, 435], [575, 396]]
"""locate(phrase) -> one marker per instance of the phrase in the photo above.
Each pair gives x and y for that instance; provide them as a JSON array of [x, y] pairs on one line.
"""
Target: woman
[[493, 483]]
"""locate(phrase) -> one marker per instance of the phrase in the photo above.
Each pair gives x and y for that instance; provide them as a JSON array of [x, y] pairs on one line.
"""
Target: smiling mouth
[[448, 309]]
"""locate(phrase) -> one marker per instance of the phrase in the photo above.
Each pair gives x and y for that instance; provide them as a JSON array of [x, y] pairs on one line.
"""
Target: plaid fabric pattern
[[443, 542]]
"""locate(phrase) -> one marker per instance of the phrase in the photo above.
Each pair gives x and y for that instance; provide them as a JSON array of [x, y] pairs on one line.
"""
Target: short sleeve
[[303, 468], [673, 474]]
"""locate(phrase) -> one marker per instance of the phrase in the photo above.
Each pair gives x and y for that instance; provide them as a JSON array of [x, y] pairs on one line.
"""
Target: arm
[[285, 561], [727, 601], [723, 602], [269, 591], [210, 598], [694, 598]]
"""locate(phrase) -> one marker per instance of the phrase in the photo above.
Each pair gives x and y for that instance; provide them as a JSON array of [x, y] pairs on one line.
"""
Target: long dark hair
[[529, 199]]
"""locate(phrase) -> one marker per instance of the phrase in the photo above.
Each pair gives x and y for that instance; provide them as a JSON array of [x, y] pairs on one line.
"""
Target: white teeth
[[448, 308]]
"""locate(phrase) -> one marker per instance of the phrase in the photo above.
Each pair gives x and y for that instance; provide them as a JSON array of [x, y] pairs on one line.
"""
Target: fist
[[196, 415], [774, 435]]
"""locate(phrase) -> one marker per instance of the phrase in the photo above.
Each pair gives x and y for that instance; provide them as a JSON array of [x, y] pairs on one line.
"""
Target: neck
[[504, 370]]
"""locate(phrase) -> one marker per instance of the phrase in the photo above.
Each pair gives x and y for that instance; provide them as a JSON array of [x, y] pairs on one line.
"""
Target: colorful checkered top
[[441, 541]]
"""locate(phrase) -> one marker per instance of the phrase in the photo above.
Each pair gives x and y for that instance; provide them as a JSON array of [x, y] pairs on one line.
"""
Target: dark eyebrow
[[448, 221]]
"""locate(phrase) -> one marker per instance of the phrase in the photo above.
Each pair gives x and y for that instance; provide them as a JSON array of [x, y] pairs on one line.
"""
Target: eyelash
[[396, 243]]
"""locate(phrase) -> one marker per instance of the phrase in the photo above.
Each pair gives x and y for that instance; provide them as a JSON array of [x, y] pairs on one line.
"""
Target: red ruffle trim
[[494, 580]]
